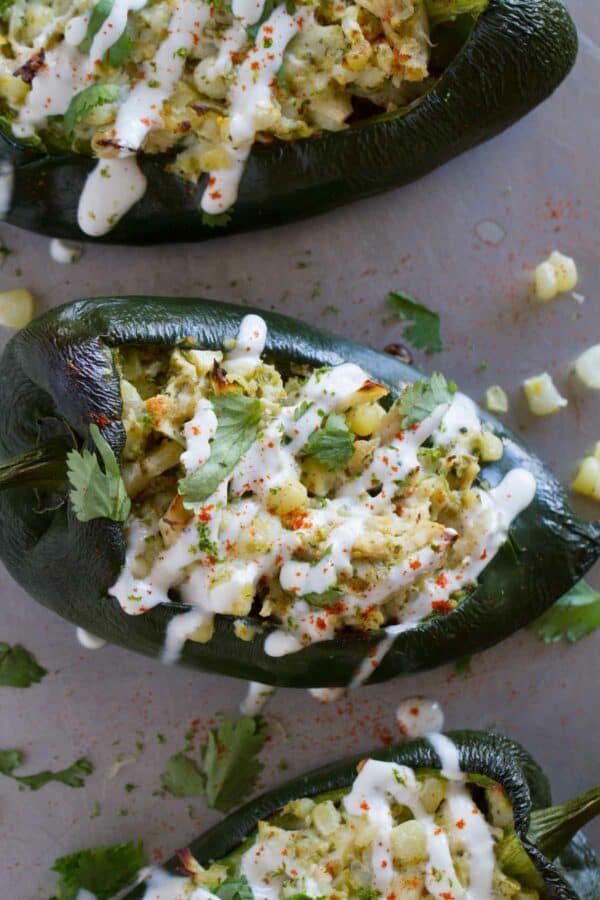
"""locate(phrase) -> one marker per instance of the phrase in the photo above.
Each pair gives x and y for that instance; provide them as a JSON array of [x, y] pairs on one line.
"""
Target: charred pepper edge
[[88, 329], [543, 33], [481, 753]]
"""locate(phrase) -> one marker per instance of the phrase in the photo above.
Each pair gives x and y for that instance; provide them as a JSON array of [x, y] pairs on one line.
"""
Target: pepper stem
[[44, 467], [551, 829]]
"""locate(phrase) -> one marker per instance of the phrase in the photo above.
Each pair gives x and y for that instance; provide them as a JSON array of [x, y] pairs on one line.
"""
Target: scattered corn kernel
[[496, 399], [554, 276], [490, 447], [587, 367], [542, 395], [587, 479], [16, 308]]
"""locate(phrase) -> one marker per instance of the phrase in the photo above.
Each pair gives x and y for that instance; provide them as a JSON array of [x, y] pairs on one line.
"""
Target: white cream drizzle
[[250, 100], [89, 640], [212, 585], [161, 885], [111, 189], [419, 716], [256, 697], [62, 253]]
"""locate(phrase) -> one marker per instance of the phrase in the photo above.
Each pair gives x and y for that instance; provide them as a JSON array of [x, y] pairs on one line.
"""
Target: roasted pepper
[[537, 850], [493, 68], [59, 379]]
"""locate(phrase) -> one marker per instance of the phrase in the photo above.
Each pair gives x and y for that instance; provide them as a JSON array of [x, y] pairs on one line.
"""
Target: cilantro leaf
[[182, 777], [238, 418], [85, 101], [103, 871], [332, 444], [96, 494], [18, 667], [230, 763], [98, 17], [236, 888], [73, 776], [574, 616], [325, 598], [424, 333], [120, 51], [420, 400]]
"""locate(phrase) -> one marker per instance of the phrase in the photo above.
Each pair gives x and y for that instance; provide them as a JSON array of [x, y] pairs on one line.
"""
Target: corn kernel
[[587, 367], [16, 308], [496, 400], [542, 395], [554, 276], [587, 479]]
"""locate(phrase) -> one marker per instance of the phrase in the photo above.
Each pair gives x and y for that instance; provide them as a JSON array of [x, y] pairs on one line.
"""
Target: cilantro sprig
[[95, 493], [123, 46], [18, 667], [228, 767], [420, 400], [103, 871], [574, 616], [73, 776], [424, 333], [332, 444], [238, 418], [235, 888]]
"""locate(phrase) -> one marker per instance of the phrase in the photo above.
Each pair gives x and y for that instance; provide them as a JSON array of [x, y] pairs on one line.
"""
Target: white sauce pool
[[419, 716], [89, 640]]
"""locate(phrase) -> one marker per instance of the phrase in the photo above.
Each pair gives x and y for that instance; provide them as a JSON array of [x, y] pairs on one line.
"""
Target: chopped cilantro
[[332, 444], [73, 776], [205, 542], [420, 400], [182, 777], [424, 332], [325, 598], [85, 101], [103, 871], [574, 616], [18, 667], [238, 418], [235, 888], [230, 763], [96, 494]]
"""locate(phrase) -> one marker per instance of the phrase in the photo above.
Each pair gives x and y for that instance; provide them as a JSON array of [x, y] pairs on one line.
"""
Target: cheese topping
[[318, 509]]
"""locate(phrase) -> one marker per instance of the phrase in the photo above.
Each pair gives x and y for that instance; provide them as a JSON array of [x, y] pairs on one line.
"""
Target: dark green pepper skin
[[517, 54], [59, 370], [481, 753]]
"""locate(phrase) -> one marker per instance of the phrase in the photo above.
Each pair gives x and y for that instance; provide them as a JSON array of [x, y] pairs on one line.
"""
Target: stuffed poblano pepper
[[250, 495], [464, 816], [191, 118]]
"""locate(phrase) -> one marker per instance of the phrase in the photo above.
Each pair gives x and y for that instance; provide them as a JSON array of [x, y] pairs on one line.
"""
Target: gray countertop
[[538, 184]]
